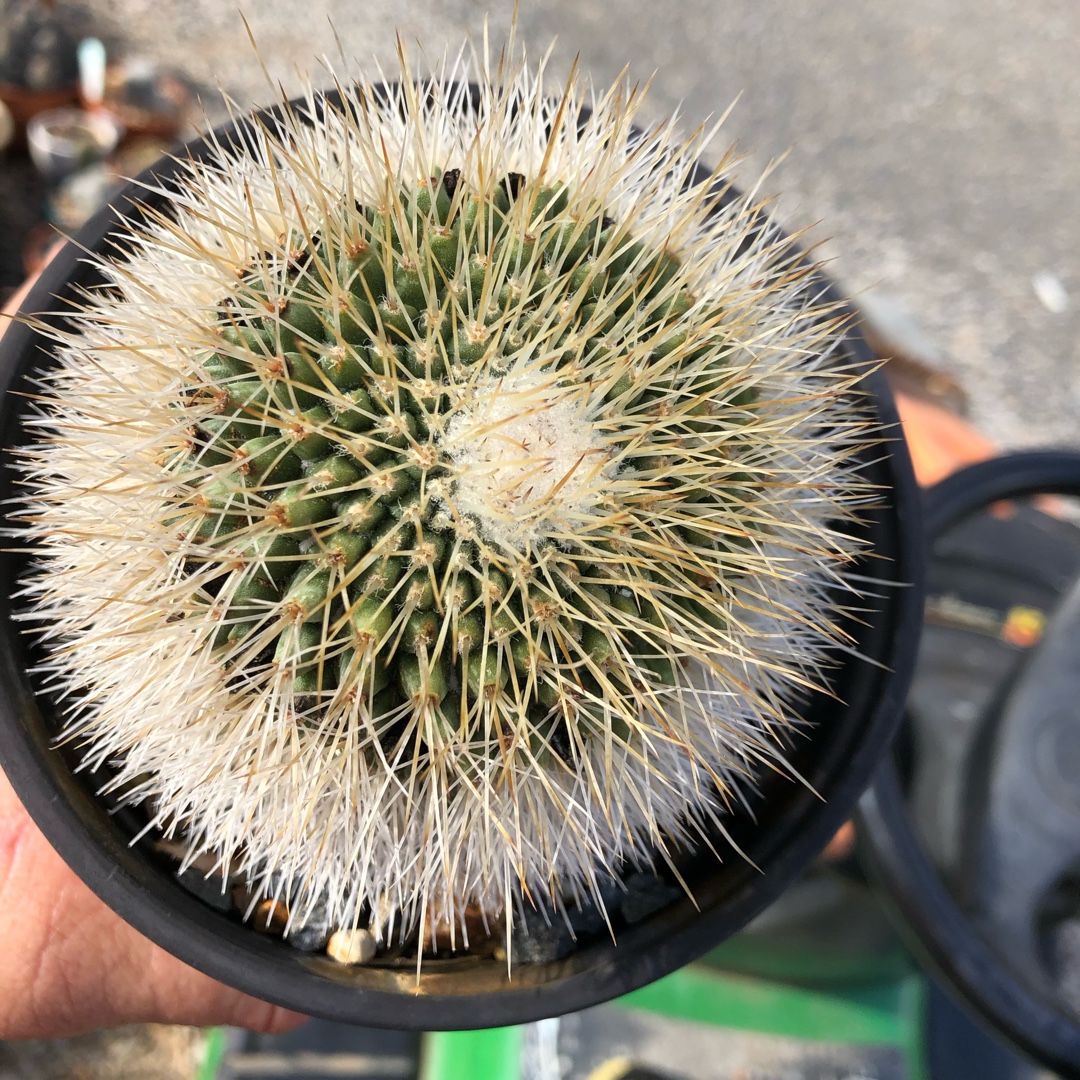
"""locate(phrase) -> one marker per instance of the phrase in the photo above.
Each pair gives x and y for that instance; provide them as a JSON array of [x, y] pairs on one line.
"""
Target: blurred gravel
[[137, 1052], [936, 140]]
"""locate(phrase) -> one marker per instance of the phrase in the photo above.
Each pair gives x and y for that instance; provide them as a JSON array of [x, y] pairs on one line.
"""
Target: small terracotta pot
[[26, 104]]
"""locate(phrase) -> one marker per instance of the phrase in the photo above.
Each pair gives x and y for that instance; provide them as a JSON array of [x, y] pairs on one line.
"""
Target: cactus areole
[[441, 503]]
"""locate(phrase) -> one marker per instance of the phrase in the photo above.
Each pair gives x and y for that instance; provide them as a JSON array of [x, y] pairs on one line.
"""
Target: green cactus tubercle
[[316, 481]]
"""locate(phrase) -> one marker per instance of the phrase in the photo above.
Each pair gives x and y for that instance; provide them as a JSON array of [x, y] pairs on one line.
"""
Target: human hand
[[69, 964]]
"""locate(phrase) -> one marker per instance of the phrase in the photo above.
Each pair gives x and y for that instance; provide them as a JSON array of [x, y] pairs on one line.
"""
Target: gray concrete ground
[[935, 140], [136, 1052]]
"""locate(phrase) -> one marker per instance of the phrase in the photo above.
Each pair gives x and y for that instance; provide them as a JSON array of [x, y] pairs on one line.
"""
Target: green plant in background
[[446, 502]]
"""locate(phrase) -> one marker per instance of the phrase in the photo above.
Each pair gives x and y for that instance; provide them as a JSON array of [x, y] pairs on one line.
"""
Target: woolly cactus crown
[[446, 501]]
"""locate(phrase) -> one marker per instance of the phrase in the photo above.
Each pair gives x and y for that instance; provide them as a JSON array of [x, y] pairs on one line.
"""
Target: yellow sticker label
[[1023, 627]]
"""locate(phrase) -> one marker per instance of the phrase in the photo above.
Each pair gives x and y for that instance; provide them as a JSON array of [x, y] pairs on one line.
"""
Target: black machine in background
[[972, 826]]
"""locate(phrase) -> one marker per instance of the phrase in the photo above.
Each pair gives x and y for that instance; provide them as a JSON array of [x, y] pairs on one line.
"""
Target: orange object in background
[[939, 441]]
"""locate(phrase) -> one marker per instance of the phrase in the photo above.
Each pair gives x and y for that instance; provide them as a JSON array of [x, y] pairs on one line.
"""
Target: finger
[[69, 964], [186, 996]]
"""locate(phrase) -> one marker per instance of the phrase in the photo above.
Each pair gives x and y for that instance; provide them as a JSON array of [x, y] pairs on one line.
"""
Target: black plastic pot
[[788, 826]]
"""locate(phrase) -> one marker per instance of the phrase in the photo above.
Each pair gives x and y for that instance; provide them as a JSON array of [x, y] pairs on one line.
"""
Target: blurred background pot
[[64, 141], [38, 65], [146, 100]]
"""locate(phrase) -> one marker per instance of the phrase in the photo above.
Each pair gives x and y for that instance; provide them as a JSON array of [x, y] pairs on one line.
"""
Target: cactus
[[446, 502]]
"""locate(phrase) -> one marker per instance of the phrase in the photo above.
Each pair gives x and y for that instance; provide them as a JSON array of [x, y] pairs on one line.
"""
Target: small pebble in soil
[[210, 890], [443, 936], [351, 946], [535, 940], [313, 934], [646, 893], [270, 917], [311, 937]]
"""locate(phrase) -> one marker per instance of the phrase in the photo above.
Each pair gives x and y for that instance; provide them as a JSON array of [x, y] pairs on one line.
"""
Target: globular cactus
[[446, 502]]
